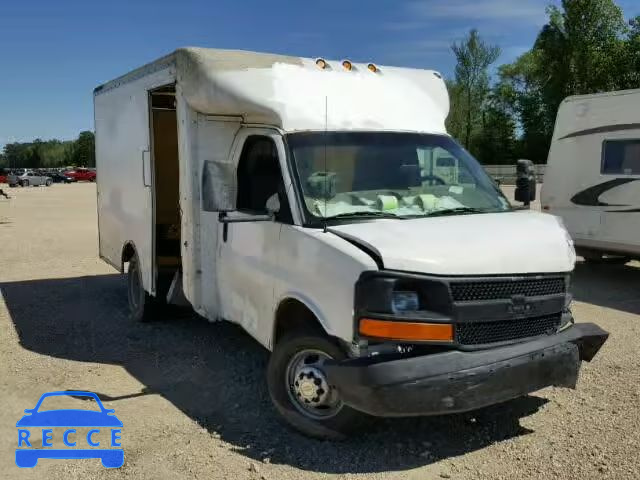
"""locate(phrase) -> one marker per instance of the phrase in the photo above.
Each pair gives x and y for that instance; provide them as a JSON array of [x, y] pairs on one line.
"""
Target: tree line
[[585, 47], [50, 153]]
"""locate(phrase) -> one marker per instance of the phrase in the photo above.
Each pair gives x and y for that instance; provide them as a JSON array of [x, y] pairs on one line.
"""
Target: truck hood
[[484, 244]]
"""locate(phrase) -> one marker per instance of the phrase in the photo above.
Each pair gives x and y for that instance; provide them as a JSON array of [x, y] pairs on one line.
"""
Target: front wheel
[[301, 392], [48, 183], [24, 183]]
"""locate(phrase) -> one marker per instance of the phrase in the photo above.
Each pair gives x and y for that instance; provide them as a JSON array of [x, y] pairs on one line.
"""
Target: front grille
[[481, 333], [505, 289]]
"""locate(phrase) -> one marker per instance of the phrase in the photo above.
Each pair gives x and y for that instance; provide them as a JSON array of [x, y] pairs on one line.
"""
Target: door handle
[[146, 168]]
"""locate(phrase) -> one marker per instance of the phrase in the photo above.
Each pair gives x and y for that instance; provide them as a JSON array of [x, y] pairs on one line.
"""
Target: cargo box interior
[[164, 151]]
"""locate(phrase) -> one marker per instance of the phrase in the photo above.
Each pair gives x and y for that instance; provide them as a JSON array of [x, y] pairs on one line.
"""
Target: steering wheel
[[434, 178]]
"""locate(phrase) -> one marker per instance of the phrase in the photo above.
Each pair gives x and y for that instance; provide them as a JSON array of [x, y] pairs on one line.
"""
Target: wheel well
[[127, 254], [293, 315]]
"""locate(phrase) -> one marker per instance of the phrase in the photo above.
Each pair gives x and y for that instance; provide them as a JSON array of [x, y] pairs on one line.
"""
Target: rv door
[[621, 174]]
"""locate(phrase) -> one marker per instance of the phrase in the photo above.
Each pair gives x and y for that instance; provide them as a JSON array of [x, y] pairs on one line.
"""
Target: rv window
[[621, 157], [260, 177]]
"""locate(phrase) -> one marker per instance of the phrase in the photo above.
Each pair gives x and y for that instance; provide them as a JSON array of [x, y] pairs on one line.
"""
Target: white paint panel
[[201, 138], [291, 92], [215, 140], [320, 270], [125, 210], [487, 244]]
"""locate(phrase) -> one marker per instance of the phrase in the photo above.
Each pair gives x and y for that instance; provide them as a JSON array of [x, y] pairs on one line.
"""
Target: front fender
[[320, 270]]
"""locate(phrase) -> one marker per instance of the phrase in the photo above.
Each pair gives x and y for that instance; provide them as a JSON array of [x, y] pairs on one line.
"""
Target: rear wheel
[[24, 183], [48, 183], [142, 306], [300, 390]]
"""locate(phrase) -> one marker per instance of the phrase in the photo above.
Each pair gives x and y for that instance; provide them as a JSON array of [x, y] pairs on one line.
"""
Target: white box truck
[[593, 174], [322, 206]]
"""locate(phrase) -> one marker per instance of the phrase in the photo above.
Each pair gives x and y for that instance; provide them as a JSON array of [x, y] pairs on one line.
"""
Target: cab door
[[248, 251], [620, 191]]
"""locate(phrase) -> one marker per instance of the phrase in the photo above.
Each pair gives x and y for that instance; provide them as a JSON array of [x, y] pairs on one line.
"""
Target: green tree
[[496, 141], [47, 153], [630, 62], [585, 47], [470, 88], [84, 153]]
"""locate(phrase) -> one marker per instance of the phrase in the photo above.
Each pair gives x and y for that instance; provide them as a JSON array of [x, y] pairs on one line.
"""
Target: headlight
[[398, 294], [405, 302]]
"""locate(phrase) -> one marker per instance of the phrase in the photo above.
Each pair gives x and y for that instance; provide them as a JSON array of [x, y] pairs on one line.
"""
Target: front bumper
[[457, 381]]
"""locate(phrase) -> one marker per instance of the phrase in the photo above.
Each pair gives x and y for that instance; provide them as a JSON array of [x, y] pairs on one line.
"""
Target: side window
[[621, 157], [260, 177]]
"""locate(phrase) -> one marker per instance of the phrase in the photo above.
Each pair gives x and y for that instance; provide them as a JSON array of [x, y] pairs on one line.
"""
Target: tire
[[142, 306], [48, 183], [24, 183], [607, 260], [596, 258], [338, 422]]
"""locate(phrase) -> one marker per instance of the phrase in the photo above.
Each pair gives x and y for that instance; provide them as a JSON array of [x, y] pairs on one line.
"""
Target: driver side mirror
[[272, 207], [218, 187], [525, 182]]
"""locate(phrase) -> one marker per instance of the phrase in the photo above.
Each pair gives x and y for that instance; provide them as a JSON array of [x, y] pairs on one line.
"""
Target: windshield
[[403, 175]]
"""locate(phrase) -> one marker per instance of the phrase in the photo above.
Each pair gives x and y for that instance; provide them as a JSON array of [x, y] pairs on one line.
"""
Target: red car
[[81, 174]]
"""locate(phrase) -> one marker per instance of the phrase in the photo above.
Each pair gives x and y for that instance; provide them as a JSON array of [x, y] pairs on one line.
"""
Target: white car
[[29, 178]]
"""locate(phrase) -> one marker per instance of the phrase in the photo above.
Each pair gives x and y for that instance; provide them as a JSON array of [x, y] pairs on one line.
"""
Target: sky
[[54, 52]]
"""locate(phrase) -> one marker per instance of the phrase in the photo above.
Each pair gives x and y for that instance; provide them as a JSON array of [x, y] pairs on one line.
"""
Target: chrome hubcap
[[308, 387]]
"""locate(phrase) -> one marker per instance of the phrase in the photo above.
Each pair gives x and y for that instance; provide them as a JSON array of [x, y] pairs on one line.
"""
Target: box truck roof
[[296, 93]]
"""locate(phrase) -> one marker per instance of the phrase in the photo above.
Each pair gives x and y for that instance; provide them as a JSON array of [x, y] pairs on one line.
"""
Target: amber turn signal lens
[[424, 332], [372, 68], [321, 63], [347, 65]]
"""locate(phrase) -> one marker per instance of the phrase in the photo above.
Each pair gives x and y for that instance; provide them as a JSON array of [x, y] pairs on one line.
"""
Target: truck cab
[[322, 206]]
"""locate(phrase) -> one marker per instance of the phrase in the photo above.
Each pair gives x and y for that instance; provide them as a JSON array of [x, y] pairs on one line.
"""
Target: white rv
[[592, 179], [322, 206]]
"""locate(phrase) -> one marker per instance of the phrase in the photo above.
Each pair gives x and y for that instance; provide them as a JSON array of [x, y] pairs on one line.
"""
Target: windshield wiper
[[456, 211], [363, 214]]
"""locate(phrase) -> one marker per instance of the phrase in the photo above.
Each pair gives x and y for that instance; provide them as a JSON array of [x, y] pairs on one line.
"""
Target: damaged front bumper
[[457, 381]]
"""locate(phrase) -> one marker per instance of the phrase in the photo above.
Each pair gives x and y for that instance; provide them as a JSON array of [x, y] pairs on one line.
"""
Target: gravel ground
[[192, 395]]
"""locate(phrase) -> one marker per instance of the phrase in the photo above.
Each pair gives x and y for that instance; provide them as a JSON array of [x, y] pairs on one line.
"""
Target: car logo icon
[[37, 422]]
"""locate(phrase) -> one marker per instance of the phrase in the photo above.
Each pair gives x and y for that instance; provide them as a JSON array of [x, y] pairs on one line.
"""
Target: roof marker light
[[347, 65], [321, 63], [372, 68]]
